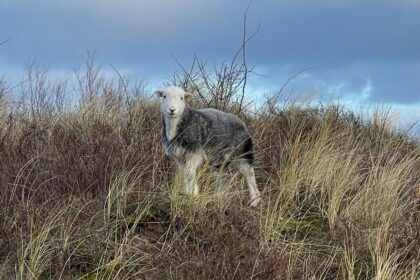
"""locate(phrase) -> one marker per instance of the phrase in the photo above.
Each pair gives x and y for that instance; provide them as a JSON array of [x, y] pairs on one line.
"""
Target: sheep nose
[[172, 110]]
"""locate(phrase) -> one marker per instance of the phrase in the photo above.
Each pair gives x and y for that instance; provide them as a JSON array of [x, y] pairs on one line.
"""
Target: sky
[[362, 52]]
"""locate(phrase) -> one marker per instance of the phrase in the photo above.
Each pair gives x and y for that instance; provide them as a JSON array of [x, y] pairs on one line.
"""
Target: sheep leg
[[247, 172], [223, 168], [222, 182], [188, 171]]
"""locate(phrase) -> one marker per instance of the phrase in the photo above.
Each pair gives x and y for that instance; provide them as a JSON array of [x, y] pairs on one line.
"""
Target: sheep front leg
[[188, 173]]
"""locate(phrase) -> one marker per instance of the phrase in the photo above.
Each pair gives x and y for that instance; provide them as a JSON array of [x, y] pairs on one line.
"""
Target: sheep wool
[[191, 136]]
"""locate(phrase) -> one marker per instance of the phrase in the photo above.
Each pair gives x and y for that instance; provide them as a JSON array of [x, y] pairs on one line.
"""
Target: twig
[[121, 79], [275, 98], [5, 41], [245, 41]]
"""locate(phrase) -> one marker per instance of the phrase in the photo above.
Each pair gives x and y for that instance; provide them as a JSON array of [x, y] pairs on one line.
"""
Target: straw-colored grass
[[86, 192]]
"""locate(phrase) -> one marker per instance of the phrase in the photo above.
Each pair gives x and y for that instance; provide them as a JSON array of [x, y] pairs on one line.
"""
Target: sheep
[[192, 136]]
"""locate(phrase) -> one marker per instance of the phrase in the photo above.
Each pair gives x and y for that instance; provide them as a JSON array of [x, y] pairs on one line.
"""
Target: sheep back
[[218, 133]]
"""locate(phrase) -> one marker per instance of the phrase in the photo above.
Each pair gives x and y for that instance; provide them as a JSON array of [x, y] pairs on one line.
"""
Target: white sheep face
[[172, 101]]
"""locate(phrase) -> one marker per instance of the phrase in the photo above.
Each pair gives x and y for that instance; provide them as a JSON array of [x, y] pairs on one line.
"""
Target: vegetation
[[86, 192]]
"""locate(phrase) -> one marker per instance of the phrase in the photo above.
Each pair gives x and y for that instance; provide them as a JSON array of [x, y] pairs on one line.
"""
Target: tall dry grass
[[86, 192]]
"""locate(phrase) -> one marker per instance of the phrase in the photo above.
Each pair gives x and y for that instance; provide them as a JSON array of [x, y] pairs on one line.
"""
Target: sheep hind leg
[[223, 172], [188, 173], [222, 182], [247, 172]]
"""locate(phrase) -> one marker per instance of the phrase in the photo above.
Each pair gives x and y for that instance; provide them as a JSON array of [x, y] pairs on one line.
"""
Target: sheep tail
[[248, 151]]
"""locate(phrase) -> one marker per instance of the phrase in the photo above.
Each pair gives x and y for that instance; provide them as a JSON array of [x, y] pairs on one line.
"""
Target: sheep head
[[172, 101]]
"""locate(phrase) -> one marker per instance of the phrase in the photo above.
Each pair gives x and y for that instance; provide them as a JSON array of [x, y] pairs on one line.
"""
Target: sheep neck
[[171, 127]]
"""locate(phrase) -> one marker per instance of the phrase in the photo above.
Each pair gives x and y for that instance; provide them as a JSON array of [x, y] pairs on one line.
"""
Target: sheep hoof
[[189, 191], [255, 201], [185, 191]]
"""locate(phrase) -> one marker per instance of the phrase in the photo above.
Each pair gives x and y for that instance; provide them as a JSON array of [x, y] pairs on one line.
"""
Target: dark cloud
[[351, 43], [328, 36], [390, 81]]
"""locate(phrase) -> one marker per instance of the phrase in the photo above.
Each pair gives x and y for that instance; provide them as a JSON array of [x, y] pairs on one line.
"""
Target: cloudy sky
[[361, 51]]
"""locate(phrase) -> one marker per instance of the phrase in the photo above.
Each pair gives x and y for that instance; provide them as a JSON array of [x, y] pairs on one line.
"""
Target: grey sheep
[[192, 136]]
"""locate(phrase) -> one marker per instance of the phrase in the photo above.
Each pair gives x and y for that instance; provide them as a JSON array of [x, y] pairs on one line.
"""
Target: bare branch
[[5, 41], [245, 41], [275, 98], [121, 79], [220, 85]]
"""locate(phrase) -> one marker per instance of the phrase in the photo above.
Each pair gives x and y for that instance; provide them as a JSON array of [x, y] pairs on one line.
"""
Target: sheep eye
[[182, 98], [164, 96]]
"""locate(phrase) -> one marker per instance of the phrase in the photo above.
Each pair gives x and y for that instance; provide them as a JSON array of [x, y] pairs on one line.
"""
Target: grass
[[86, 192]]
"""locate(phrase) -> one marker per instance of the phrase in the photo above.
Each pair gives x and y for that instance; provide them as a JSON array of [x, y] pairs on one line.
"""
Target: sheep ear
[[158, 93]]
